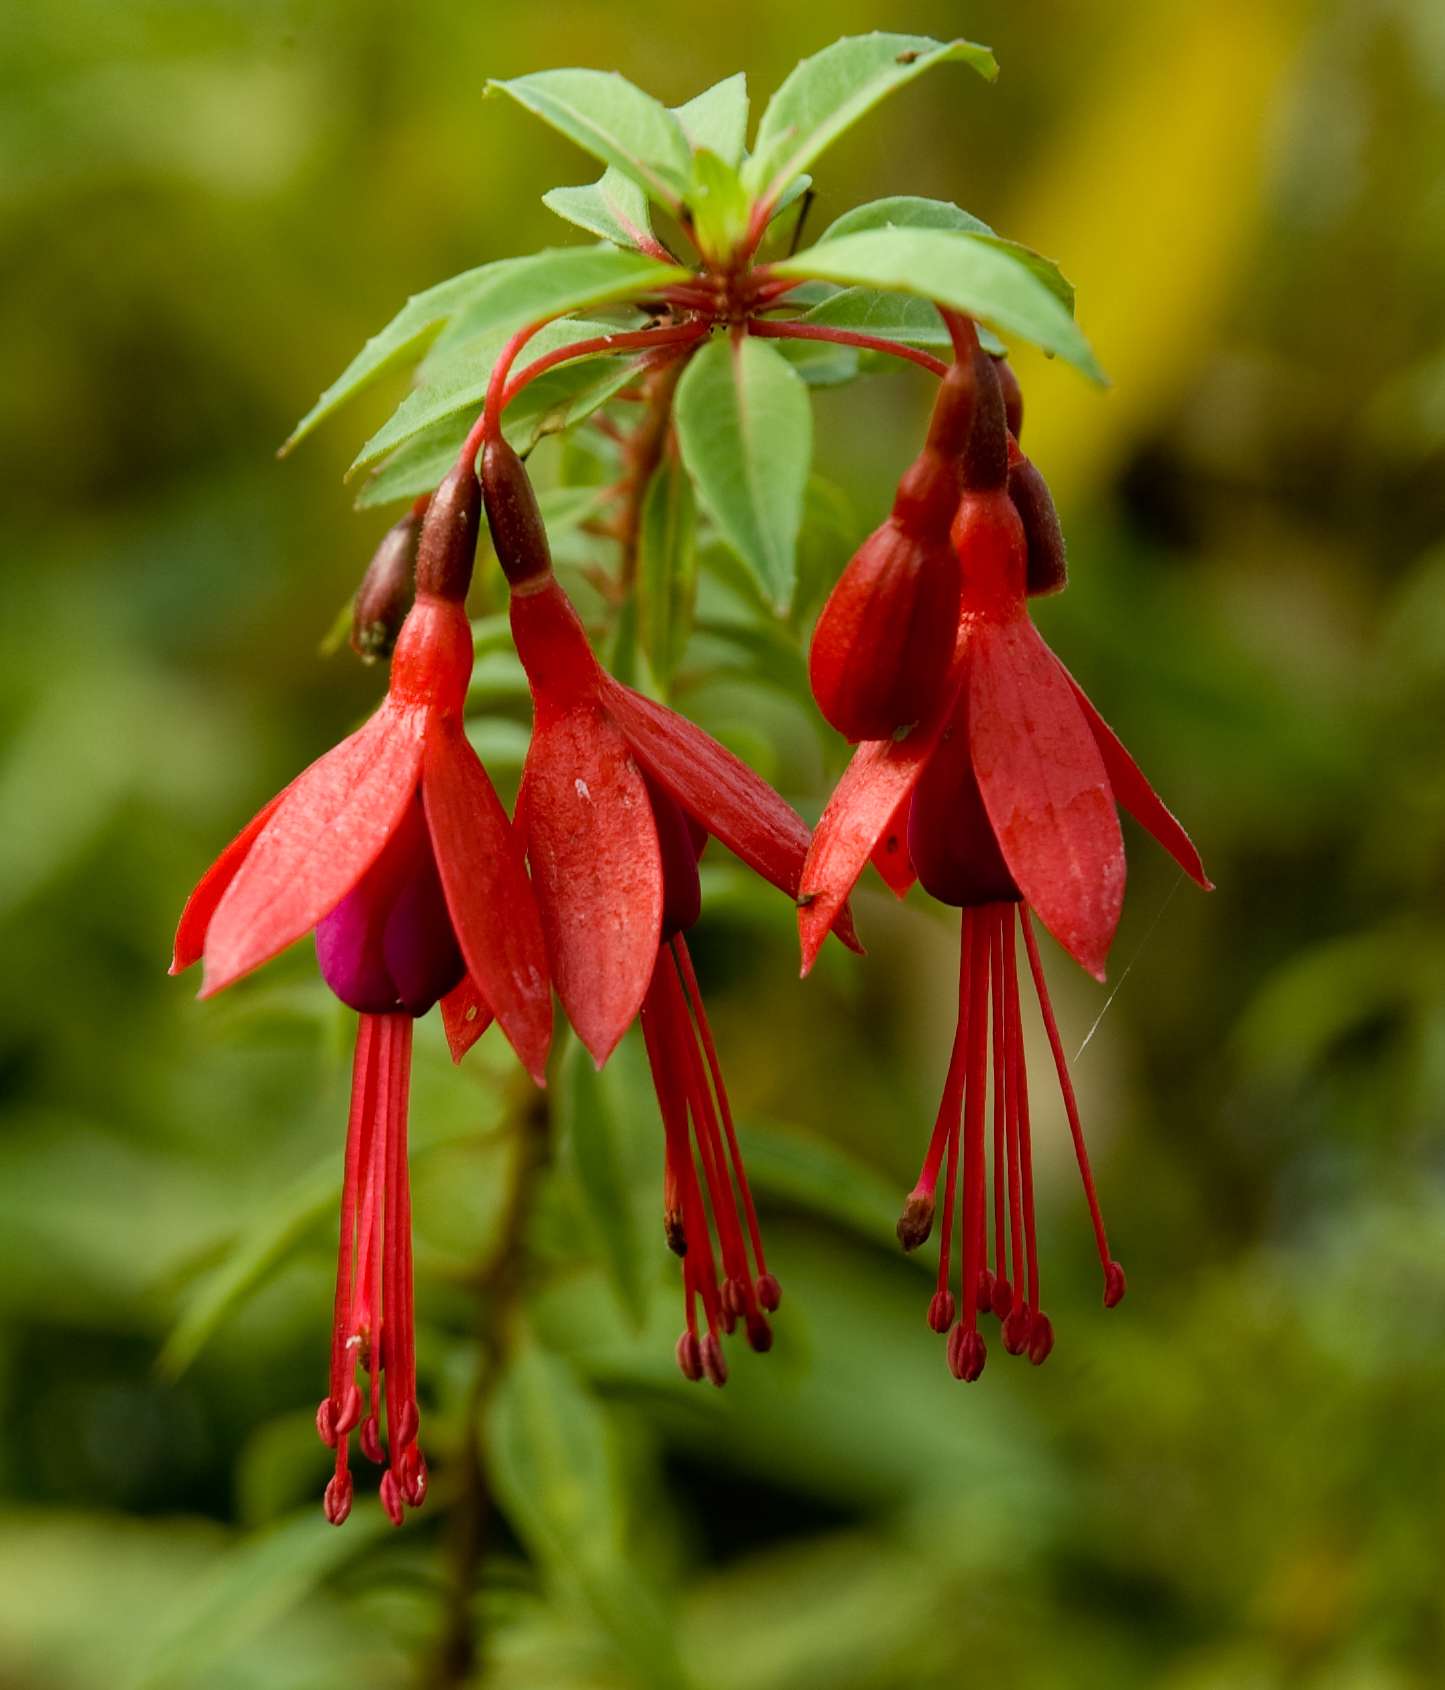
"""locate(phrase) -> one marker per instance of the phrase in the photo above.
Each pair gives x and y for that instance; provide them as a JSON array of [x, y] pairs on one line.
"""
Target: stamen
[[973, 1351], [1000, 1294], [1018, 1319], [1113, 1273], [950, 1116]]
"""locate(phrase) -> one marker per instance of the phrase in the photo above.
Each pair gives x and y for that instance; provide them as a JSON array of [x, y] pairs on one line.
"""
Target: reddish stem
[[793, 330]]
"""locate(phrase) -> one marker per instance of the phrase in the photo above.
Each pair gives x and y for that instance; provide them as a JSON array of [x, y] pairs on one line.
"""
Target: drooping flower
[[394, 850], [619, 795], [1001, 801]]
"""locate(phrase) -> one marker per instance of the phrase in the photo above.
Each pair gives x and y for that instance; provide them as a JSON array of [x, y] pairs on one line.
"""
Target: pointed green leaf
[[418, 320], [614, 207], [614, 121], [718, 118], [667, 567], [974, 273], [746, 432], [890, 316], [594, 1131], [719, 205], [828, 93]]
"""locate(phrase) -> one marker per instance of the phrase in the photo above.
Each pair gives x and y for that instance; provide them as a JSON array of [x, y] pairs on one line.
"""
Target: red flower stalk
[[1002, 798], [619, 794], [395, 851]]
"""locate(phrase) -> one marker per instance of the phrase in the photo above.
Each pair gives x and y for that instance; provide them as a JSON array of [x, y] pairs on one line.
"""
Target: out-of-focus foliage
[[1236, 1478]]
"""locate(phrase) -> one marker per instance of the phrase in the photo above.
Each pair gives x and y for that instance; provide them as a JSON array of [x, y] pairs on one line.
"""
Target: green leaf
[[974, 273], [592, 1127], [417, 321], [459, 385], [717, 119], [798, 1167], [614, 121], [552, 1457], [719, 205], [828, 93], [667, 567], [615, 208], [745, 428]]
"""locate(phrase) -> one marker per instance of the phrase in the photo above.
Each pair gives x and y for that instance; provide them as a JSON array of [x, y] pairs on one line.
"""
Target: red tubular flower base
[[696, 1113], [972, 1112], [373, 1329]]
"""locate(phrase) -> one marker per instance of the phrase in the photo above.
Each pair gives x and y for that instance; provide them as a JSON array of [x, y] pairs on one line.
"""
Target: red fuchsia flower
[[1002, 802], [619, 796], [394, 850]]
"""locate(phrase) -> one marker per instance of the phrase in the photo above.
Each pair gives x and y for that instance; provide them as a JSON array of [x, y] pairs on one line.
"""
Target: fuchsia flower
[[395, 851], [619, 795], [1001, 799]]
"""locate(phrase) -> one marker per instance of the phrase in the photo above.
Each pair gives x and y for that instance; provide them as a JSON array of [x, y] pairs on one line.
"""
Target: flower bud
[[448, 543], [518, 533], [386, 591], [985, 457], [1047, 570]]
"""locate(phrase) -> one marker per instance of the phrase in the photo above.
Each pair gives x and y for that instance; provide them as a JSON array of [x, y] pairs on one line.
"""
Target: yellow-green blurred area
[[1235, 1480]]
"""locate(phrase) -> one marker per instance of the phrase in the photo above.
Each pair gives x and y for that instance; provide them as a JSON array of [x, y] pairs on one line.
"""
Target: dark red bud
[[883, 644], [769, 1293], [1013, 396], [391, 1498], [519, 535], [337, 1502], [985, 458], [689, 1357], [1047, 569], [386, 591], [941, 1309], [448, 544], [916, 1221], [1003, 1298], [1115, 1285], [1041, 1339], [713, 1364]]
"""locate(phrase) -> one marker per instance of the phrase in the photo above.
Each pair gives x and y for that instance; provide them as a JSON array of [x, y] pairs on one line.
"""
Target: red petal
[[325, 833], [465, 1016], [489, 897], [596, 869], [1134, 792], [890, 854], [201, 905], [1045, 789]]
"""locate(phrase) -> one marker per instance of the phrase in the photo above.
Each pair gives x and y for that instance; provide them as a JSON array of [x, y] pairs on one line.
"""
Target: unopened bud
[[1047, 570], [689, 1357], [916, 1221], [447, 547], [1115, 1285], [941, 1308], [337, 1502], [1013, 395], [386, 591], [1041, 1339], [519, 535], [985, 458]]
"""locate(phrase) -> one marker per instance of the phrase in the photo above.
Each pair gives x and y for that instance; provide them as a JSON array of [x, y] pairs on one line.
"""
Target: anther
[[1003, 1298], [1016, 1329], [391, 1499], [337, 1501], [1041, 1339], [941, 1310], [689, 1357], [713, 1364], [760, 1334], [673, 1231], [1115, 1285], [916, 1221], [326, 1423], [414, 1477], [408, 1420], [967, 1353], [985, 1289], [371, 1441], [768, 1292]]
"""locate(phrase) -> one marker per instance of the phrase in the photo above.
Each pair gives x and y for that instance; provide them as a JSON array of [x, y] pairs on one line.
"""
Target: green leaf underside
[[829, 92], [591, 1122], [889, 316], [614, 208], [718, 118], [973, 273], [667, 568], [614, 121], [745, 429], [504, 295], [460, 385]]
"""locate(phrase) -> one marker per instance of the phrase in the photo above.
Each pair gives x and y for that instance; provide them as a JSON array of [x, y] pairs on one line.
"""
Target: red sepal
[[465, 1017], [890, 854], [212, 887], [489, 897], [327, 830], [1132, 789], [1045, 789], [596, 868]]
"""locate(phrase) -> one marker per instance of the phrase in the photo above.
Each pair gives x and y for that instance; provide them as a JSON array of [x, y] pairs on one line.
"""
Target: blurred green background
[[1235, 1480]]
